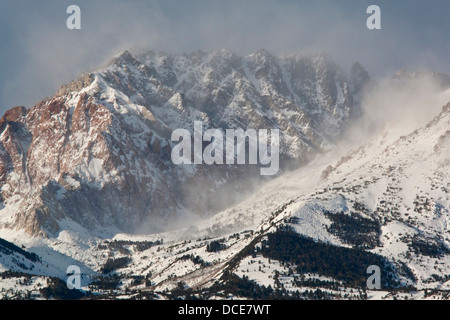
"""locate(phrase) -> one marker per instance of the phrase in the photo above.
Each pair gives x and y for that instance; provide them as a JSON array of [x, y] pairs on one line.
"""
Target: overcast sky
[[38, 53]]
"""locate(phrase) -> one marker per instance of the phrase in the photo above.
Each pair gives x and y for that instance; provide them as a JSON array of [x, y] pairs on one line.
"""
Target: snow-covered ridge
[[98, 152]]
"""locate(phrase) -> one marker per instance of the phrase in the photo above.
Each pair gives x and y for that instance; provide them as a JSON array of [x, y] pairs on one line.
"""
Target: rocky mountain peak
[[98, 152]]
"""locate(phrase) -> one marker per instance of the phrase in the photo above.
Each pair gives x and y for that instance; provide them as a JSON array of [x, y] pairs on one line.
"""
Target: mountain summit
[[97, 153]]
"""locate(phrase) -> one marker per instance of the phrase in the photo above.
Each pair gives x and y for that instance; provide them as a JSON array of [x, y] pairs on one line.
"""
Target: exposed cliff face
[[98, 152]]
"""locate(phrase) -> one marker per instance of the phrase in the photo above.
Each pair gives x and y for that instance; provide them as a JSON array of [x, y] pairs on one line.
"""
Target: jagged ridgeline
[[98, 153]]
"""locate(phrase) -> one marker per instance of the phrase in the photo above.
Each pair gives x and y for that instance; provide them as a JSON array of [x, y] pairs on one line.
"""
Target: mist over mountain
[[87, 178]]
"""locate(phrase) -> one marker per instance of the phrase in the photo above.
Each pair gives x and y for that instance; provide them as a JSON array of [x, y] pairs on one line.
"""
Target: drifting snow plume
[[400, 104]]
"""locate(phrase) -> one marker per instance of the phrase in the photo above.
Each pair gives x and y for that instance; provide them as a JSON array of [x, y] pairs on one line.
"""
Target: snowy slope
[[385, 202], [401, 187], [389, 185]]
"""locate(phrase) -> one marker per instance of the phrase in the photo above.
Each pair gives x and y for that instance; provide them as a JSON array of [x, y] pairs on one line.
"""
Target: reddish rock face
[[13, 115], [74, 161]]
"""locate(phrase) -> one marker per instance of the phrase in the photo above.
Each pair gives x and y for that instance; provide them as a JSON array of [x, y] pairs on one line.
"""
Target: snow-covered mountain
[[99, 151], [309, 233], [386, 203]]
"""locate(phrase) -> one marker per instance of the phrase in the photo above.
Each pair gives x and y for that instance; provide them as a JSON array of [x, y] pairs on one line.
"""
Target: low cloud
[[399, 104], [43, 54]]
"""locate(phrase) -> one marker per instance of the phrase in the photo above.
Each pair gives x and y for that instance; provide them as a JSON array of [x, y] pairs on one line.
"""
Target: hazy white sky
[[38, 53]]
